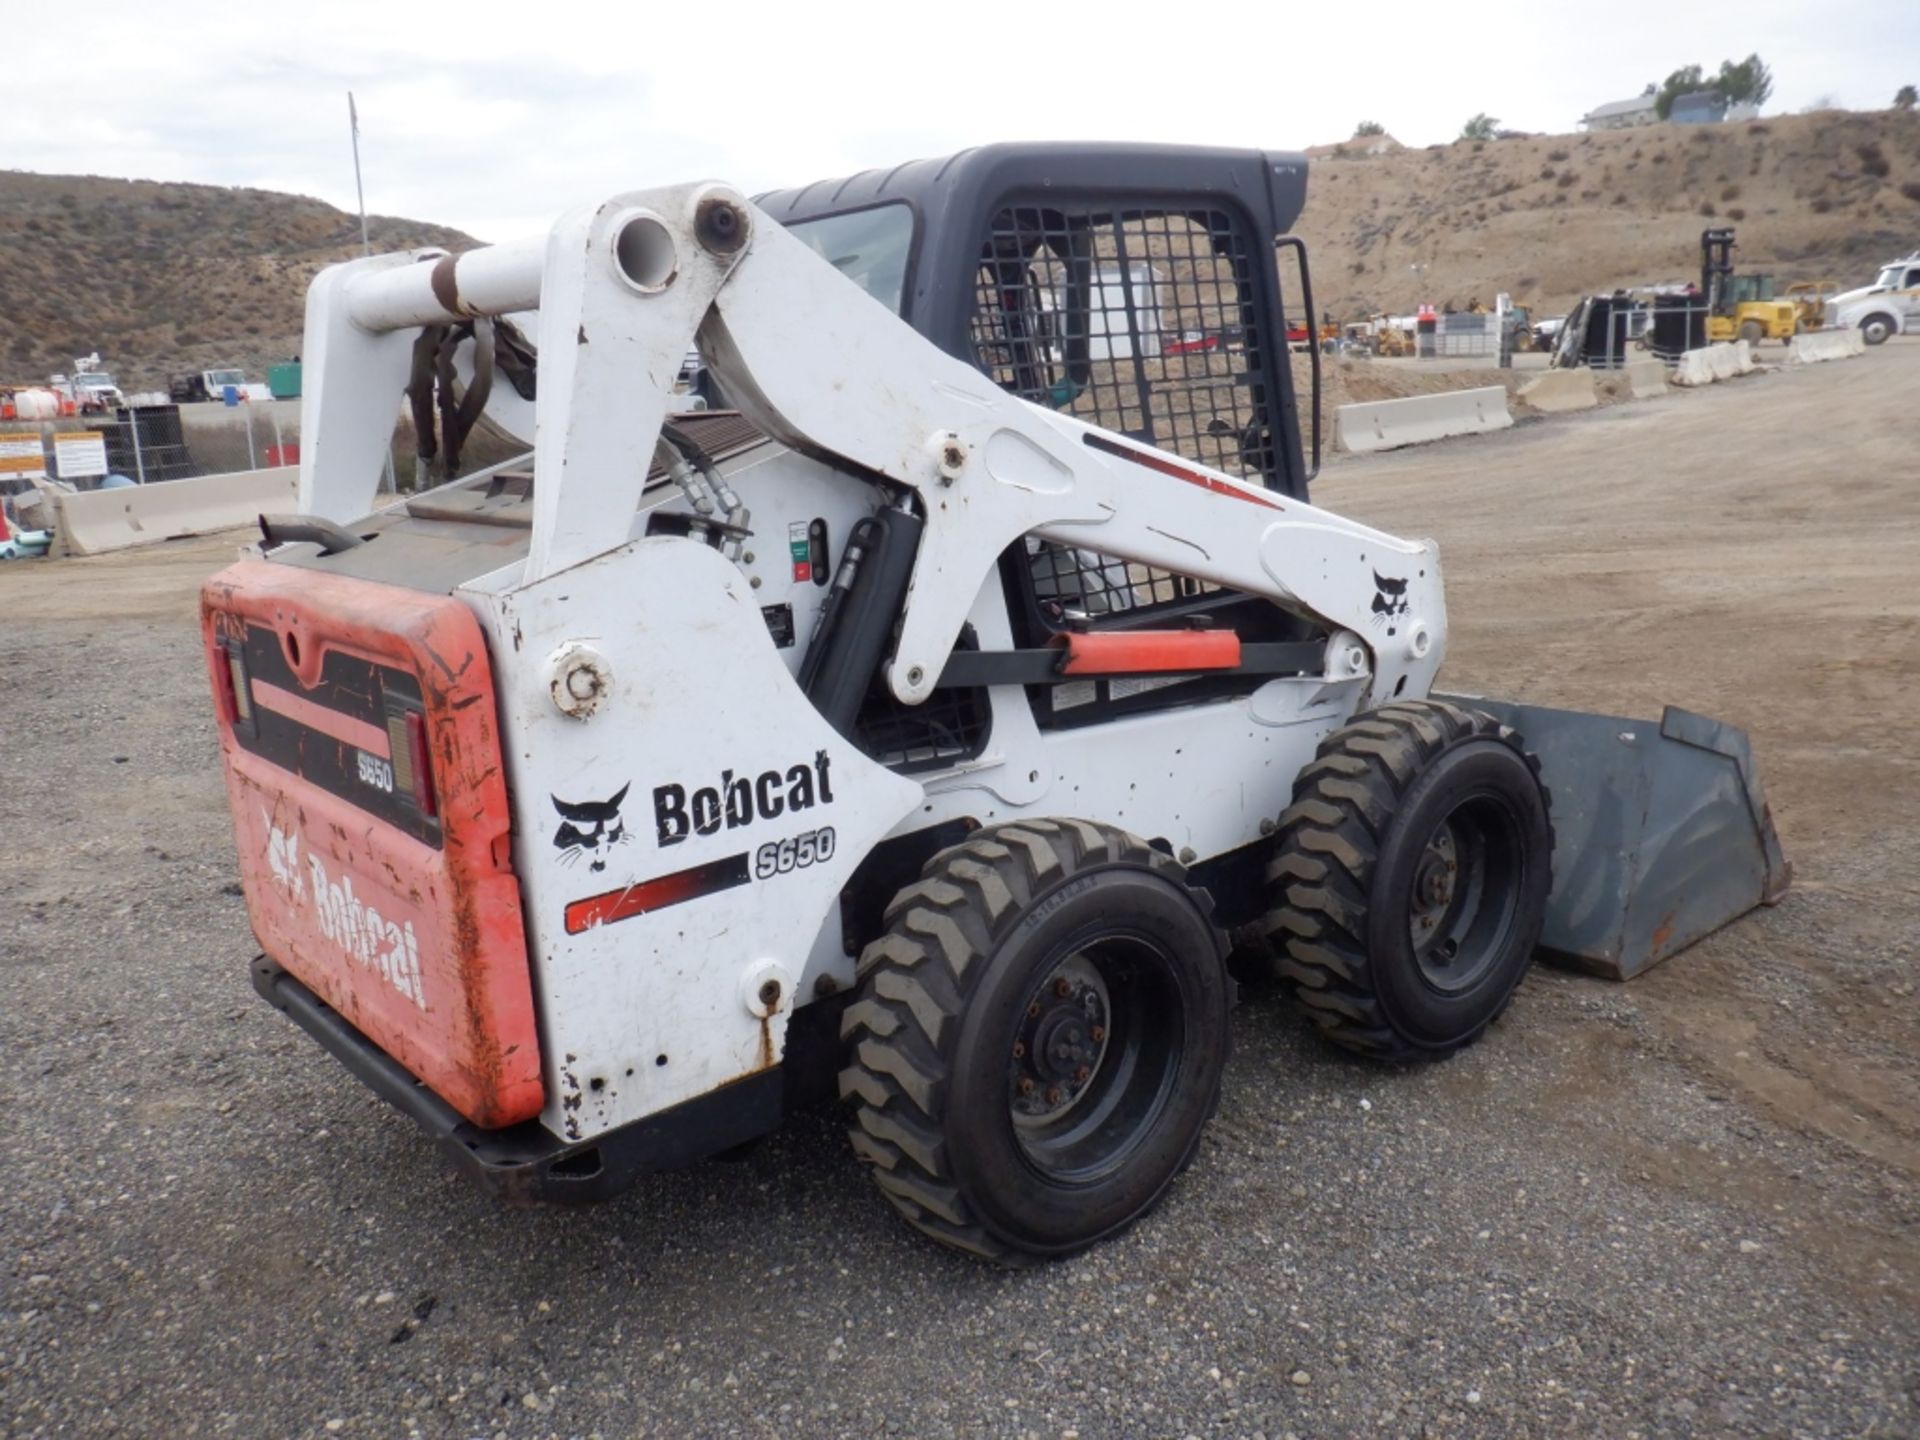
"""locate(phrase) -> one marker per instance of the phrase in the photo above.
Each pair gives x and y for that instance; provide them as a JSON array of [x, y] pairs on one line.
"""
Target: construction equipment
[[1739, 307], [1809, 299], [1392, 336], [1889, 306], [928, 719]]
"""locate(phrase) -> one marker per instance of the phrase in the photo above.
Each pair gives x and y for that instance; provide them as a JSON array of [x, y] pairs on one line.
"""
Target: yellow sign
[[21, 455], [79, 453]]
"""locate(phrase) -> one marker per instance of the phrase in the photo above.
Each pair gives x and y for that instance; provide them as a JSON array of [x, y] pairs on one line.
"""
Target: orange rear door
[[360, 739]]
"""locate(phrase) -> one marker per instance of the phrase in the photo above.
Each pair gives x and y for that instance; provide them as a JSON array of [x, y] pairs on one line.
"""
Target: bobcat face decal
[[591, 828], [1389, 600]]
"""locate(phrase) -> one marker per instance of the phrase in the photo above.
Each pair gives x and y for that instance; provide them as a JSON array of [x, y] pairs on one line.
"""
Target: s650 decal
[[374, 771], [777, 857]]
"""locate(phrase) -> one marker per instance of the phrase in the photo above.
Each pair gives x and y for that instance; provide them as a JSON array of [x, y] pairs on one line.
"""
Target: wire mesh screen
[[1138, 321], [934, 735], [1070, 583], [1142, 322]]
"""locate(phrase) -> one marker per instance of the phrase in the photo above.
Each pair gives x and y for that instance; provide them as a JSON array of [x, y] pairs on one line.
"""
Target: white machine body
[[670, 943]]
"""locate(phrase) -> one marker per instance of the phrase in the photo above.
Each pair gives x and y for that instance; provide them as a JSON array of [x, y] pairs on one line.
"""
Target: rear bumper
[[527, 1164]]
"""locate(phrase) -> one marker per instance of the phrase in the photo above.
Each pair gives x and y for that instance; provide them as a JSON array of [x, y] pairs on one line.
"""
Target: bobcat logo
[[591, 828], [382, 944], [283, 857], [1389, 600]]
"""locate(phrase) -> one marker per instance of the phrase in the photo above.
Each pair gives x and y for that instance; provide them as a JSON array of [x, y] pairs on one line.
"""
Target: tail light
[[412, 765], [236, 698]]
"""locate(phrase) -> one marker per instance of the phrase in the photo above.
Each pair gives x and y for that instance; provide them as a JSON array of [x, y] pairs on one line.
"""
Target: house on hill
[[1624, 114], [1709, 107]]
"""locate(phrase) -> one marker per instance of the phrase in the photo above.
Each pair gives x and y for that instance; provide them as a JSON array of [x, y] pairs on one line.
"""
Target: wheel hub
[[1434, 880], [1060, 1043]]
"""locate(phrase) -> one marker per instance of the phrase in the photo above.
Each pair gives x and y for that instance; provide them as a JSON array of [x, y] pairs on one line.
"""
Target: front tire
[[1876, 328], [1410, 881], [1038, 1039]]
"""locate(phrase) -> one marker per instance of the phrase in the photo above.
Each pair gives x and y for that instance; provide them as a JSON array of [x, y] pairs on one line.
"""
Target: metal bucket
[[1662, 834]]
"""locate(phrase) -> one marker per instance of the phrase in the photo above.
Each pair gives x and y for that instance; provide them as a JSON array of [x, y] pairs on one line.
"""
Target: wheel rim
[[1094, 1056], [1876, 331], [1466, 894]]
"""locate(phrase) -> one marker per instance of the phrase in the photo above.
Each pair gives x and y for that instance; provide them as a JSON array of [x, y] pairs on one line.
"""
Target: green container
[[283, 381]]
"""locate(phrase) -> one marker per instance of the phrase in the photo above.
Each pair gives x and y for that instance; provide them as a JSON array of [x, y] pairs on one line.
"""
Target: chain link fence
[[151, 444]]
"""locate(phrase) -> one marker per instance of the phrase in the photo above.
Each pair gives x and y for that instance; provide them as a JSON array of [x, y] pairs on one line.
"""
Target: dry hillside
[[1552, 218], [163, 277]]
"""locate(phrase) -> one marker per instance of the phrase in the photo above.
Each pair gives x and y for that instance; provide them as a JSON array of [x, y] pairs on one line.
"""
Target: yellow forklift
[[1740, 307]]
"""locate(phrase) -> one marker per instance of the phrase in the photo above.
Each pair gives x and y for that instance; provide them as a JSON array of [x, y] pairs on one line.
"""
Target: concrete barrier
[[1818, 345], [1694, 368], [1716, 362], [1557, 391], [102, 520], [1646, 378], [1388, 424]]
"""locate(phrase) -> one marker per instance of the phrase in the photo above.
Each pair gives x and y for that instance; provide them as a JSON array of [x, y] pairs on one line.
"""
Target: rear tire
[[1876, 328], [1038, 1039], [1411, 877]]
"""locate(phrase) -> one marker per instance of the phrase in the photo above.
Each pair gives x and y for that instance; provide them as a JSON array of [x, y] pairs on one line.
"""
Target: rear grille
[[721, 433]]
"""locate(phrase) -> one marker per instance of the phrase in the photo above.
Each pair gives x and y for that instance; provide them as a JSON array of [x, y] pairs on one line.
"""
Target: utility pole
[[353, 122], [388, 485]]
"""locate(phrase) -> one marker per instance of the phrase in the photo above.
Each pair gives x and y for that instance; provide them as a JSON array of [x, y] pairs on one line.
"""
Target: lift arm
[[625, 287]]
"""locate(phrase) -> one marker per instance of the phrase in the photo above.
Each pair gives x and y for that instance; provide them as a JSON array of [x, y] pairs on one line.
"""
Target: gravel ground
[[1684, 1207]]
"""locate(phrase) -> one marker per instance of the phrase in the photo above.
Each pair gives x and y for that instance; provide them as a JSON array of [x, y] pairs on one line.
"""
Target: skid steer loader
[[924, 720]]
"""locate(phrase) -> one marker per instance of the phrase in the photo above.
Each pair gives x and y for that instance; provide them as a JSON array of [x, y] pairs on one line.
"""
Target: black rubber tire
[[1348, 850], [1752, 331], [943, 994], [1875, 328]]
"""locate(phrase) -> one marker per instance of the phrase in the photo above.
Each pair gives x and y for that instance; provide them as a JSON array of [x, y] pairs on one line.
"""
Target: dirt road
[[1683, 1207]]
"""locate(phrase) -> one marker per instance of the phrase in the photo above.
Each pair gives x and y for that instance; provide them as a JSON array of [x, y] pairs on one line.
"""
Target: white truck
[[92, 390], [1889, 306], [203, 386]]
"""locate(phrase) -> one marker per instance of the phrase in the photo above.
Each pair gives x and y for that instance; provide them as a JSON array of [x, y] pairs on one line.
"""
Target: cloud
[[494, 117]]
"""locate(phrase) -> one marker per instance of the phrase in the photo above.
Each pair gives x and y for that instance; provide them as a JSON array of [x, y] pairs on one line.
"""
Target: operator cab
[[1134, 287], [1130, 286]]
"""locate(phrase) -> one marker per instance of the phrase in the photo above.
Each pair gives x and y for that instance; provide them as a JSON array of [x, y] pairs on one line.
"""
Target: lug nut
[[1099, 1033], [1026, 1085], [1054, 1096], [1062, 988], [1033, 1011], [1080, 1075], [1019, 1050]]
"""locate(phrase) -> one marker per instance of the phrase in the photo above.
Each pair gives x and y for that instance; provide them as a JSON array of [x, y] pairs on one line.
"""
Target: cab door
[[1908, 299]]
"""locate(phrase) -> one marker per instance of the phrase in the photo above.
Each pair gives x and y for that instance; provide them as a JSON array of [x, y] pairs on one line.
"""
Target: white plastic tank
[[36, 404]]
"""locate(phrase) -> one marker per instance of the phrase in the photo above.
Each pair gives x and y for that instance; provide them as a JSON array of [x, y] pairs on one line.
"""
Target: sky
[[495, 118]]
